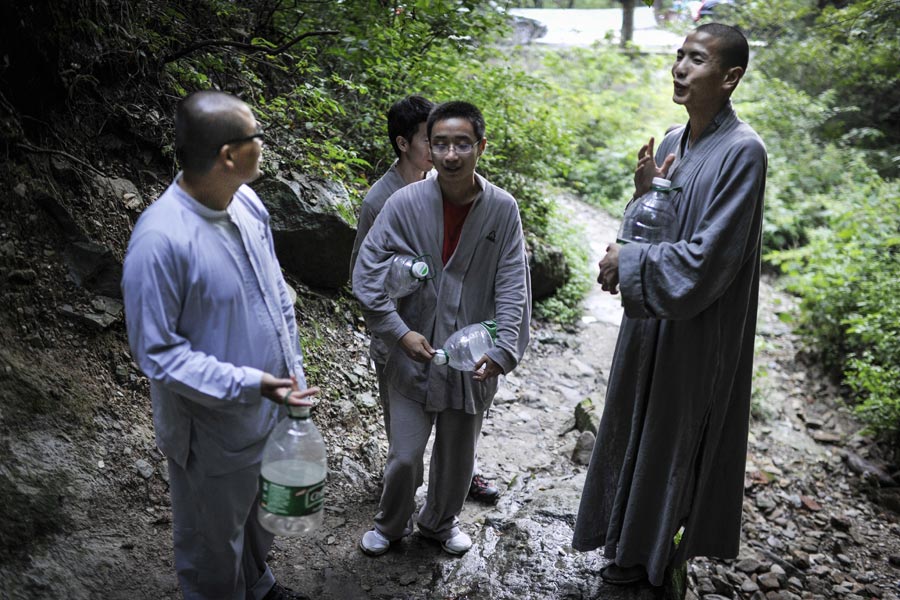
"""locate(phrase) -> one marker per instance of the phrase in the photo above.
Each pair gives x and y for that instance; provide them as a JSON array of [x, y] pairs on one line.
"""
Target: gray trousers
[[383, 398], [450, 473], [220, 547]]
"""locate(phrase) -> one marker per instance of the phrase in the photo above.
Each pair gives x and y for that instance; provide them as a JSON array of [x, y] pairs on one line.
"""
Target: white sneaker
[[458, 544], [374, 543]]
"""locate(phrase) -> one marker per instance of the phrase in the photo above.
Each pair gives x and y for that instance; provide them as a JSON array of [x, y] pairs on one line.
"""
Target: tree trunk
[[627, 21]]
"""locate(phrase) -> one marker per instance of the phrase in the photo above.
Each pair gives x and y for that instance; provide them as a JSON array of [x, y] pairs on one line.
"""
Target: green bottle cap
[[491, 327]]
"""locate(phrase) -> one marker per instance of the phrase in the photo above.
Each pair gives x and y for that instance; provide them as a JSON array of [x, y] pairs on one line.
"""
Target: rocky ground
[[85, 509]]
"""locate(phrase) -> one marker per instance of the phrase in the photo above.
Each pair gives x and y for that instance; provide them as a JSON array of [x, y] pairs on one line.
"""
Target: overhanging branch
[[250, 48]]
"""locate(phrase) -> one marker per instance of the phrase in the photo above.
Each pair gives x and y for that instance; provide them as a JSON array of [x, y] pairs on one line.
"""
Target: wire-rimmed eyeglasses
[[462, 148]]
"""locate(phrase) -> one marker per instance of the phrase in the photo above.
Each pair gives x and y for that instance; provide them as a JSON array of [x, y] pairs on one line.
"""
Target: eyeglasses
[[461, 149], [259, 134]]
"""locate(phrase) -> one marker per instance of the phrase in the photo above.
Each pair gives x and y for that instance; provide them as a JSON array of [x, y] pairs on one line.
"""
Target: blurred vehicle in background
[[708, 9]]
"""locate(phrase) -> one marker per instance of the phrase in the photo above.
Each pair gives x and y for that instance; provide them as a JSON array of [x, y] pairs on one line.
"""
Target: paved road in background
[[583, 27]]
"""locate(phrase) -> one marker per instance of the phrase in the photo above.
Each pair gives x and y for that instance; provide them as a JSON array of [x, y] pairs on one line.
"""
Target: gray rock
[[349, 414], [123, 190], [366, 400], [841, 522], [144, 468], [587, 417], [94, 268], [583, 448], [868, 469], [768, 581], [504, 395], [313, 237], [354, 472], [765, 502], [748, 565], [105, 312], [749, 586], [549, 269], [706, 588]]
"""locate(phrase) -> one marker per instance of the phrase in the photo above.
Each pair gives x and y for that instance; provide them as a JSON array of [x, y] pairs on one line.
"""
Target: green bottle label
[[290, 501]]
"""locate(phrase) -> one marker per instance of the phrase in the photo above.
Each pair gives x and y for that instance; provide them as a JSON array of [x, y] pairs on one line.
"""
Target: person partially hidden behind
[[475, 229], [406, 123], [668, 463], [211, 323]]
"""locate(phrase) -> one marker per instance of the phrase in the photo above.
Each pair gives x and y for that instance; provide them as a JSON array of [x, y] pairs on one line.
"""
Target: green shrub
[[848, 277]]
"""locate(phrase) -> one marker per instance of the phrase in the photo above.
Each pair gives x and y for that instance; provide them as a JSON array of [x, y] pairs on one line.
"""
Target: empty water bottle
[[406, 275], [466, 347], [292, 480], [650, 219]]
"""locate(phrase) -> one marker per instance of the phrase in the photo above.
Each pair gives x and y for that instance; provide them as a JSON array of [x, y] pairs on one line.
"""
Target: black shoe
[[481, 490], [279, 592]]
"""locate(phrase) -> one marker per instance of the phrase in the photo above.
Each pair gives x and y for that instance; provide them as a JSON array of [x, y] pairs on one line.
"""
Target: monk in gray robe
[[671, 447], [475, 229], [407, 120]]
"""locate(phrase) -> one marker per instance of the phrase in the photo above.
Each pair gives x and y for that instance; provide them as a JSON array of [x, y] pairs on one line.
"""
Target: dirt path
[[811, 527], [808, 532]]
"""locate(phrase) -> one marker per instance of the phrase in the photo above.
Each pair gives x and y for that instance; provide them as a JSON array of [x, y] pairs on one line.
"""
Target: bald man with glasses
[[211, 324]]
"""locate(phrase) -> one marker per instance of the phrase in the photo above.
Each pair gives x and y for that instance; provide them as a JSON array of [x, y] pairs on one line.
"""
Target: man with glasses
[[407, 121], [475, 228], [211, 324]]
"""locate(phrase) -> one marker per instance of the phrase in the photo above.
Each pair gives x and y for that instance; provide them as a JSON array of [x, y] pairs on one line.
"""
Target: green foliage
[[600, 90], [850, 56], [849, 279], [802, 176]]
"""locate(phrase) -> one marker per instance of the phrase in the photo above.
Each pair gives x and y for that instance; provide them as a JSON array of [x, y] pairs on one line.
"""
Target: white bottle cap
[[440, 357], [419, 269], [661, 182]]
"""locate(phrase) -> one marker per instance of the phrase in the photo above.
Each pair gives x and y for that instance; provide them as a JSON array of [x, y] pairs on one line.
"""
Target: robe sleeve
[[512, 298], [372, 264], [290, 318], [152, 291], [367, 214], [680, 280]]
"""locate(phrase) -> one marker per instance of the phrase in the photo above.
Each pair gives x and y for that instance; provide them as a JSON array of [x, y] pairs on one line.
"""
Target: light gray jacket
[[486, 278]]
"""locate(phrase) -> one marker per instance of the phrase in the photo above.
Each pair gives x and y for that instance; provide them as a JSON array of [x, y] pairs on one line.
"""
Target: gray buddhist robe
[[486, 278], [672, 442]]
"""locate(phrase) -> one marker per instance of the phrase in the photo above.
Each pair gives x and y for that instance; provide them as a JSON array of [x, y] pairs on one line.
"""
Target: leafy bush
[[845, 52], [849, 279], [601, 91]]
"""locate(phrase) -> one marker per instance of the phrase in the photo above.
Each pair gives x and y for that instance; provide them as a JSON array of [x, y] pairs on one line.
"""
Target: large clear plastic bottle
[[650, 219], [292, 480], [466, 347], [406, 275]]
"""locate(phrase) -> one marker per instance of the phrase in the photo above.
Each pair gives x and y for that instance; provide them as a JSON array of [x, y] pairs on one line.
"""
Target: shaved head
[[734, 51], [204, 121]]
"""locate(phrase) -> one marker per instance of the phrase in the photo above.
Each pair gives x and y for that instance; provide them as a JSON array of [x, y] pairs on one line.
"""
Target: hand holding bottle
[[285, 391], [416, 346], [609, 270], [490, 370]]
